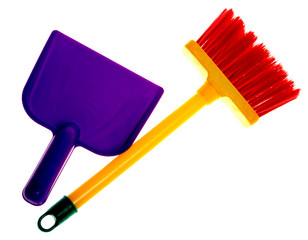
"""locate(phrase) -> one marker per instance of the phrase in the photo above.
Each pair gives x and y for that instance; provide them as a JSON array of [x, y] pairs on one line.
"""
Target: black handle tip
[[43, 227], [61, 211]]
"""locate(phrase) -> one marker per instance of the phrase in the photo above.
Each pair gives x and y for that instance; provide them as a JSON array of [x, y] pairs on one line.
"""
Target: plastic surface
[[72, 84]]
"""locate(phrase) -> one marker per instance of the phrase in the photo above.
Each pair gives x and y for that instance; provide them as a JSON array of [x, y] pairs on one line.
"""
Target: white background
[[212, 179]]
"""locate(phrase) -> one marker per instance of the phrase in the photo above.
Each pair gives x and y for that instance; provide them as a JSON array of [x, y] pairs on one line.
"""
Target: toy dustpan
[[86, 100]]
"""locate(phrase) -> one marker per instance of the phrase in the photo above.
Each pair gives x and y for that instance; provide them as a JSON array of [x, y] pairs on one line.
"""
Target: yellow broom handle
[[145, 144]]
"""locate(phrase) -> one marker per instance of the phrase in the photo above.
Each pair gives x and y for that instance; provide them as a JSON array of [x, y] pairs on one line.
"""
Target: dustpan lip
[[32, 79]]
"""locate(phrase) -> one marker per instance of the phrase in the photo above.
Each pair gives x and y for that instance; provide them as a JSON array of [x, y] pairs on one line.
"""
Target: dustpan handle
[[51, 164]]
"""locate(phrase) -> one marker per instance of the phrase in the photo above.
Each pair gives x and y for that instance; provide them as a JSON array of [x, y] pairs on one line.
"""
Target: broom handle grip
[[144, 145]]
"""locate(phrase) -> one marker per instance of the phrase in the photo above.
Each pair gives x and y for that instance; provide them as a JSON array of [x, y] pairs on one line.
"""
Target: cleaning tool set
[[86, 100], [236, 69]]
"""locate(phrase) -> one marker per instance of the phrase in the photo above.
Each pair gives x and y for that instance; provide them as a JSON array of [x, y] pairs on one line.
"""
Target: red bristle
[[237, 47], [254, 89], [248, 66], [273, 92], [244, 85], [266, 78], [275, 103], [212, 28]]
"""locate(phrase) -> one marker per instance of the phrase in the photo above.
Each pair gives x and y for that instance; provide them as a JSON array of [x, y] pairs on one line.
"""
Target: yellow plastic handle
[[145, 144]]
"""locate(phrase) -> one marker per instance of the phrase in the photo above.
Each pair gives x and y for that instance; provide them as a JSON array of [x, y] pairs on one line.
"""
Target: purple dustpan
[[86, 100]]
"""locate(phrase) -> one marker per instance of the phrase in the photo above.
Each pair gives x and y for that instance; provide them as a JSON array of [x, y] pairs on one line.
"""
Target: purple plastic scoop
[[86, 100]]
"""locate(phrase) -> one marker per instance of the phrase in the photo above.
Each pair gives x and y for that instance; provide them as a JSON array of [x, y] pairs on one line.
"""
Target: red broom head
[[248, 66]]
